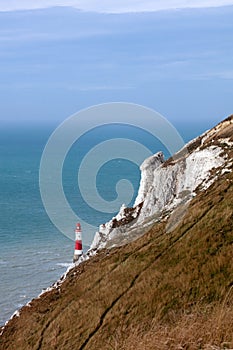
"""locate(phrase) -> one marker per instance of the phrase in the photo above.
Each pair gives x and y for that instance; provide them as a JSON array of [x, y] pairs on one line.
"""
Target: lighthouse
[[78, 250]]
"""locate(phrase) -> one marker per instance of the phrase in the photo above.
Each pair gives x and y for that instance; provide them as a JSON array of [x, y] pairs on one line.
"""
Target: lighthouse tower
[[78, 250]]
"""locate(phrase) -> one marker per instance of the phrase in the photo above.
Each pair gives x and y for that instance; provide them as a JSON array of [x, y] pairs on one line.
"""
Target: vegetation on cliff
[[169, 289]]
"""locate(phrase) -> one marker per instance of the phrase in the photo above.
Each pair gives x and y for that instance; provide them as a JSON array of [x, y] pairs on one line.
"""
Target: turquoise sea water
[[33, 253]]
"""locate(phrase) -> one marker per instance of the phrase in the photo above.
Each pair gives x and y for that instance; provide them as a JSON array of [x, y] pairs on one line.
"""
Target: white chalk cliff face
[[168, 185]]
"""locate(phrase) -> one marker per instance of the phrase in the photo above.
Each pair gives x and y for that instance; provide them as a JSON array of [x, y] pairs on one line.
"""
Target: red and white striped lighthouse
[[78, 250]]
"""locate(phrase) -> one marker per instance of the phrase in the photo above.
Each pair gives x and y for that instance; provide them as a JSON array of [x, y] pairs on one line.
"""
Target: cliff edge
[[171, 288], [167, 187]]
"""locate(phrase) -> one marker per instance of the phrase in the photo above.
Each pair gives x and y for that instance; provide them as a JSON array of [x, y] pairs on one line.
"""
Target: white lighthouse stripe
[[78, 252], [78, 237]]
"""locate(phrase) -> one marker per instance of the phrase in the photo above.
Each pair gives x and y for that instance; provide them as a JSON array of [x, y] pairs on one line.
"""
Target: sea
[[33, 252]]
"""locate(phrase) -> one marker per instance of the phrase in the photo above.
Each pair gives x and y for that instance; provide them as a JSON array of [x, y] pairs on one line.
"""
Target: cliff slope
[[172, 288]]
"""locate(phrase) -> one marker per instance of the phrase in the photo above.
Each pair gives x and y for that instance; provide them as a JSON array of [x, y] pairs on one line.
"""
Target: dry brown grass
[[209, 328], [163, 291]]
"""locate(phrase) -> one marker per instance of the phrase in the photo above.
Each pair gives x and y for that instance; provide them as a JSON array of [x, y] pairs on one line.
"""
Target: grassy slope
[[163, 291]]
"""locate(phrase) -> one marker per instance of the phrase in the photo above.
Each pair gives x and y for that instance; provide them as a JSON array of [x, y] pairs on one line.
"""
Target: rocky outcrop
[[167, 185]]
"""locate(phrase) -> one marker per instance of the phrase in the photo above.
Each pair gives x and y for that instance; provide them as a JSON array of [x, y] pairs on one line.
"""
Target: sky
[[57, 57], [112, 6]]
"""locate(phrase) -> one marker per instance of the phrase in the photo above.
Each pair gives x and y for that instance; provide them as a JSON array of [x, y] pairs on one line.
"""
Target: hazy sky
[[113, 6], [174, 56]]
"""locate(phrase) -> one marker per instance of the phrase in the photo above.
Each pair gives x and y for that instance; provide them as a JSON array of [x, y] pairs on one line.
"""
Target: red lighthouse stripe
[[78, 245]]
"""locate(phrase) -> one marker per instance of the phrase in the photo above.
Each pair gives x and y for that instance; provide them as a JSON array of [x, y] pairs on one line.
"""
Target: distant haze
[[111, 6], [56, 61]]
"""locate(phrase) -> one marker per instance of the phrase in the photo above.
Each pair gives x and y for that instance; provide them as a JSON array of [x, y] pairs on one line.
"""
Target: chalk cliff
[[169, 185], [172, 288]]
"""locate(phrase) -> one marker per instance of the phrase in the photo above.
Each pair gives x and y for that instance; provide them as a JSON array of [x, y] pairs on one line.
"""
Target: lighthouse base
[[76, 257]]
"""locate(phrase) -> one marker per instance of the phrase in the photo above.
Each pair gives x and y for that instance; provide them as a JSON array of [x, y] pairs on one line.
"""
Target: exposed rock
[[165, 185]]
